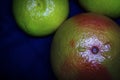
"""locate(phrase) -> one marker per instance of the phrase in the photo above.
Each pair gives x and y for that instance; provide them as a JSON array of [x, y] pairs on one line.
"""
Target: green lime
[[40, 17]]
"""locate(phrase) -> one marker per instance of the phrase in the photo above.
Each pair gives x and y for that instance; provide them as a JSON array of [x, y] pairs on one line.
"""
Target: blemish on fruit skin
[[81, 49], [99, 46], [72, 43]]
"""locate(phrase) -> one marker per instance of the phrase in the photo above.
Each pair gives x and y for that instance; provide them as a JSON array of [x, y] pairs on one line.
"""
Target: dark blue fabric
[[23, 57]]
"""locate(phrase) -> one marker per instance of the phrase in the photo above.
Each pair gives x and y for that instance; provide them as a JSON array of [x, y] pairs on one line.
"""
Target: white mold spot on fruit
[[89, 43]]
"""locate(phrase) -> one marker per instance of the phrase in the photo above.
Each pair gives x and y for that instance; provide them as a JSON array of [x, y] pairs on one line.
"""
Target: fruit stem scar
[[94, 49]]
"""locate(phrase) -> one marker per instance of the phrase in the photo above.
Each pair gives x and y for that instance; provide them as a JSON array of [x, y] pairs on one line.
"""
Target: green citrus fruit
[[40, 17], [87, 47], [105, 7]]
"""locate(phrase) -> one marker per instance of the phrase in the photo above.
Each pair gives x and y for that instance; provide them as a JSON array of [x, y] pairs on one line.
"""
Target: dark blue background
[[23, 57]]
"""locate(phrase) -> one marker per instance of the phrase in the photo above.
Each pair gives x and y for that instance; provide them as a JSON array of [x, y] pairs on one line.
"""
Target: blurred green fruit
[[109, 8], [87, 47], [40, 17]]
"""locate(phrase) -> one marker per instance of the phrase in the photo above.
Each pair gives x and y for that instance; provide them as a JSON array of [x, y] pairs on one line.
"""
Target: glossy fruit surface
[[86, 47], [40, 17], [105, 7]]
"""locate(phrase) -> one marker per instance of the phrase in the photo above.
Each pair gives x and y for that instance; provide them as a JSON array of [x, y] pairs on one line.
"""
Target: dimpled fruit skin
[[105, 7], [71, 55], [40, 17]]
